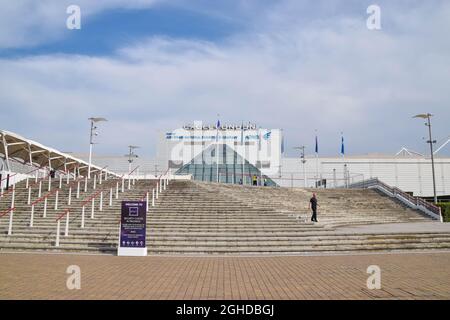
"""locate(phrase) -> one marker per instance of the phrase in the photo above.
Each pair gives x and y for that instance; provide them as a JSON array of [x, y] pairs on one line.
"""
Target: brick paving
[[404, 276]]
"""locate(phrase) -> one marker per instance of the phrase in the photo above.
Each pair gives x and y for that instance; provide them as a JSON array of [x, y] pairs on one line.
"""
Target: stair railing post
[[68, 177], [66, 232], [101, 201], [11, 213], [157, 190], [95, 182], [153, 197], [123, 185], [78, 190], [69, 201], [147, 201], [58, 230], [29, 196], [117, 190], [32, 216], [85, 184], [49, 183], [100, 178], [27, 183], [82, 216], [40, 189], [45, 208], [129, 183], [93, 208], [160, 186], [60, 181], [110, 196], [56, 199]]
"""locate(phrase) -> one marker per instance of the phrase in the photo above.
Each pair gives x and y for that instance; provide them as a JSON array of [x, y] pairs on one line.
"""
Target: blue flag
[[342, 146], [317, 145]]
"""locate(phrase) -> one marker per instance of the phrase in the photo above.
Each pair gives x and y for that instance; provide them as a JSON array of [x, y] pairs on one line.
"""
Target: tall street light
[[131, 156], [428, 116], [303, 160], [91, 140]]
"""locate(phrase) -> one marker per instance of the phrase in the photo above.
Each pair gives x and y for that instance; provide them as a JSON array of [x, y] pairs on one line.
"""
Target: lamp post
[[428, 116], [131, 156], [91, 140], [303, 160]]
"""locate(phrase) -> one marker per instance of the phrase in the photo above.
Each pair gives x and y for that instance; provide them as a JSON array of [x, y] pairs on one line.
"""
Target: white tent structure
[[14, 147]]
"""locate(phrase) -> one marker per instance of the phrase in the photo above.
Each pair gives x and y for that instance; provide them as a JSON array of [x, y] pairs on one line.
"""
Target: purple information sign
[[133, 224]]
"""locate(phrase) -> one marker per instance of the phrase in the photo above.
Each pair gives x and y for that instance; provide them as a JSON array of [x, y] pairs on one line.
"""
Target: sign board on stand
[[133, 229]]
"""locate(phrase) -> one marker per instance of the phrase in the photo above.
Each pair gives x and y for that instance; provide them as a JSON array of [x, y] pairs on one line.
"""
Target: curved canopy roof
[[29, 152]]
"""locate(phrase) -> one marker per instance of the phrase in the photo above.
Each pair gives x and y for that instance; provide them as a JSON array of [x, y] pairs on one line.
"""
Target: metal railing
[[411, 201]]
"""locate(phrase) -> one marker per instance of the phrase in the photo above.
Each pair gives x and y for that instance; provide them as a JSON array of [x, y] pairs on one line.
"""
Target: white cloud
[[331, 74]]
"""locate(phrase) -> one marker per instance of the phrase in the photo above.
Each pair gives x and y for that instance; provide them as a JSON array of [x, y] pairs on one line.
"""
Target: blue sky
[[153, 65]]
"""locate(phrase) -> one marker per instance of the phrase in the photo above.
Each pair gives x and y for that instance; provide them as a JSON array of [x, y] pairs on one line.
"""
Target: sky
[[150, 66]]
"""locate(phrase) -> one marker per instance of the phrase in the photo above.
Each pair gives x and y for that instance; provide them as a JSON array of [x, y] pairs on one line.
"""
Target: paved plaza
[[403, 276]]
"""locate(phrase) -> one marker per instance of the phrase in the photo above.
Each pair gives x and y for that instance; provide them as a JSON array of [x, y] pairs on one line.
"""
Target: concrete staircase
[[207, 218]]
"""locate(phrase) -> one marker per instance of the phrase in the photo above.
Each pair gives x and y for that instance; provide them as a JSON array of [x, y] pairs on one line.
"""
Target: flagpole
[[217, 149]]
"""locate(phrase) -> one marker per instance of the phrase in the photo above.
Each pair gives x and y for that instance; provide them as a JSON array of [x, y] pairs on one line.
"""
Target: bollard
[[58, 230], [56, 200], [110, 197], [85, 184], [82, 217], [11, 213], [32, 216], [29, 196], [101, 201], [93, 208], [49, 183], [45, 208], [95, 182], [153, 197], [69, 201], [123, 185], [157, 190], [78, 190], [66, 233], [60, 181], [40, 189], [147, 201], [117, 190]]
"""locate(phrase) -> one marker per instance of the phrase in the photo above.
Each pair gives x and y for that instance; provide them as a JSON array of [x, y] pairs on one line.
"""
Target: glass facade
[[231, 168]]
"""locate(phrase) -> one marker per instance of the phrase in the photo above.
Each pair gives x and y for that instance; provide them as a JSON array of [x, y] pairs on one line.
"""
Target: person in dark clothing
[[313, 206], [52, 173], [255, 180]]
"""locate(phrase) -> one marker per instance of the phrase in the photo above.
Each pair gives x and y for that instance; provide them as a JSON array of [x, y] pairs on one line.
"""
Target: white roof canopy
[[29, 152]]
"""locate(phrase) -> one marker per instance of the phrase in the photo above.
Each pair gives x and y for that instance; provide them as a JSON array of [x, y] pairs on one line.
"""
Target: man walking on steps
[[313, 206]]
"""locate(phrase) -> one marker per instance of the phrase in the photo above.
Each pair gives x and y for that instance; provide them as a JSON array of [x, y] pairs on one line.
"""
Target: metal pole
[[153, 197], [90, 149], [157, 190], [40, 189], [45, 208], [110, 197], [100, 178], [66, 233], [27, 183], [78, 190], [101, 201], [32, 216], [58, 230], [82, 217], [123, 185], [11, 213], [147, 201], [56, 200], [93, 208], [432, 159], [117, 190], [85, 184], [69, 201], [95, 182], [29, 196], [60, 181]]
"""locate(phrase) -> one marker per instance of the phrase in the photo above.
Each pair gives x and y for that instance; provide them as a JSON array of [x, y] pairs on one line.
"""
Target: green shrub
[[445, 209]]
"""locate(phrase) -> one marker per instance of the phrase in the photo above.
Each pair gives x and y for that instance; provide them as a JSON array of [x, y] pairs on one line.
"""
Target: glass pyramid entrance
[[203, 167]]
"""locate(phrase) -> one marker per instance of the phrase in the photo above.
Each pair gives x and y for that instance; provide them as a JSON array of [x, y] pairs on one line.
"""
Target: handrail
[[4, 213], [416, 201], [92, 196]]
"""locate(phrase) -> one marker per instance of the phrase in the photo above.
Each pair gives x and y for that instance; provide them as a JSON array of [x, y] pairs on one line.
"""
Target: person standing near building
[[313, 206], [255, 180]]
